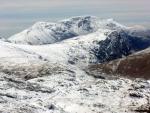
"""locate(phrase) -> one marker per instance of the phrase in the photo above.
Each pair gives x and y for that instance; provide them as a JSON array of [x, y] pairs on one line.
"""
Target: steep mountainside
[[119, 44]]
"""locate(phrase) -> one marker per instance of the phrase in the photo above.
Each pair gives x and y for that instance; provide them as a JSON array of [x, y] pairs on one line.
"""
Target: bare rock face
[[119, 44]]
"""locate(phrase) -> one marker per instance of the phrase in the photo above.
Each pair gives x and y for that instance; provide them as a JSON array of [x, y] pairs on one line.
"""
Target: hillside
[[136, 65]]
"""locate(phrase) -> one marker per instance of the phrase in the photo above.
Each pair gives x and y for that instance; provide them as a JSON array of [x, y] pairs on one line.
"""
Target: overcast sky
[[16, 15]]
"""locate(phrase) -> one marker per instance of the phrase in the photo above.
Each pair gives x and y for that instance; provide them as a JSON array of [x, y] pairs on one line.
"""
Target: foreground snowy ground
[[54, 78], [72, 92]]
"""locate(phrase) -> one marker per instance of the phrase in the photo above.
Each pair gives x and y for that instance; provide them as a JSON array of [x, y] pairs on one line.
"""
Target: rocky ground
[[73, 92]]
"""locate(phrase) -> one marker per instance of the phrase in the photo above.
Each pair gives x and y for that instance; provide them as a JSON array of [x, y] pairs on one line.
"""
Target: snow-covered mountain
[[44, 68], [48, 33], [108, 39]]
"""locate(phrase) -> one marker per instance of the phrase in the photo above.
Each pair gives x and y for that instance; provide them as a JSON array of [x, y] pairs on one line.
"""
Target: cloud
[[35, 3]]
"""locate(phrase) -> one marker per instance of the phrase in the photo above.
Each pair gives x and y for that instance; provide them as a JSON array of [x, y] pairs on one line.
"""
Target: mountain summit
[[48, 33]]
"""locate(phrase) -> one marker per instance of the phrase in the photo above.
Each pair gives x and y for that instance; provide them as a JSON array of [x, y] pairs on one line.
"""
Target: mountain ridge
[[48, 33]]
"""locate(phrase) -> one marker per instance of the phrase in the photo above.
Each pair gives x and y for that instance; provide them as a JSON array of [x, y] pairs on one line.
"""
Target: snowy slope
[[74, 50]]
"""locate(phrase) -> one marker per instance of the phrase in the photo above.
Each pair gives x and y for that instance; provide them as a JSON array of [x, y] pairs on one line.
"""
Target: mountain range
[[77, 65]]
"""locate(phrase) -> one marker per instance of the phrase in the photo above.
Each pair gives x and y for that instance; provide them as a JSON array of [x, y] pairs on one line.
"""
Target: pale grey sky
[[16, 15]]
